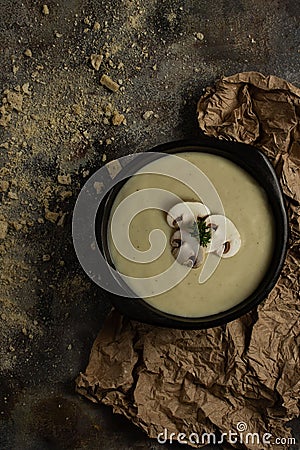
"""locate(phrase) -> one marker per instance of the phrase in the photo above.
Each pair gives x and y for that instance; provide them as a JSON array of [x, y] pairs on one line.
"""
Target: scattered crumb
[[45, 10], [25, 88], [28, 53], [13, 195], [98, 185], [96, 61], [15, 99], [5, 117], [64, 179], [199, 36], [106, 81], [3, 229], [108, 110], [118, 119], [57, 34], [62, 219], [46, 257], [77, 109], [171, 16], [66, 194], [147, 115], [114, 168], [51, 216], [104, 157], [96, 26], [17, 226], [4, 185]]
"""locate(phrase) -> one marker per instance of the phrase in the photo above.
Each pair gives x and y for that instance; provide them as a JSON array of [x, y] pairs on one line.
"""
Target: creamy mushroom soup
[[245, 204]]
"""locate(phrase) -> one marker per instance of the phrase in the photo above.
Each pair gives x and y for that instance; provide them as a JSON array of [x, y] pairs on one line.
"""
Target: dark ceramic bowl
[[256, 164]]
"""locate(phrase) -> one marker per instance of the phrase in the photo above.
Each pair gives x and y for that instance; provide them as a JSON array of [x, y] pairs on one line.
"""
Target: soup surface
[[245, 204]]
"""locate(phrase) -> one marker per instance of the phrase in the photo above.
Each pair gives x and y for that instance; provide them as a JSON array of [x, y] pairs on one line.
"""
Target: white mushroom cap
[[225, 240], [186, 249], [184, 214]]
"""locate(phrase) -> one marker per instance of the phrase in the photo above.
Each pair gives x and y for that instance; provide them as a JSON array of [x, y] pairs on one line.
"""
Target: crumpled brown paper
[[249, 370]]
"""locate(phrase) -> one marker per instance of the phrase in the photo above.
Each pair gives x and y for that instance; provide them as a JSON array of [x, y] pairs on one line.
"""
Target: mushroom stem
[[186, 249]]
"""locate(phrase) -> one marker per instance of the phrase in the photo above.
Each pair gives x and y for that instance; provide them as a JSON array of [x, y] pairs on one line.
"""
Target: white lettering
[[221, 440], [232, 437], [164, 434], [253, 437], [171, 437], [266, 438], [181, 438], [192, 441], [208, 436]]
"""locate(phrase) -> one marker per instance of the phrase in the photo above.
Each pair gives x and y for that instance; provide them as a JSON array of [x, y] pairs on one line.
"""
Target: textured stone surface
[[50, 312]]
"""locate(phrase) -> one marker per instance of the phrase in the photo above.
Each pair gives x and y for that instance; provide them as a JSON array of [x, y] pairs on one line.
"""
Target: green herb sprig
[[202, 232]]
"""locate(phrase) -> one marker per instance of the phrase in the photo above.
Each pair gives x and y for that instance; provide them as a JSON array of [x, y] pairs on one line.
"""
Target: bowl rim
[[253, 161]]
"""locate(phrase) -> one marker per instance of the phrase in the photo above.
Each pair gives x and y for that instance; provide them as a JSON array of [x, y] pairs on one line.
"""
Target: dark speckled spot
[[167, 20]]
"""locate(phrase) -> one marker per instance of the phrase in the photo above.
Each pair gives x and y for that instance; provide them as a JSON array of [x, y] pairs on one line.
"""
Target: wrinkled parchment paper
[[249, 370]]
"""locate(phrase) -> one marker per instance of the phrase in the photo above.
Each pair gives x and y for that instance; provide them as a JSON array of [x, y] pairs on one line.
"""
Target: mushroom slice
[[176, 239], [186, 249], [186, 213], [225, 240], [200, 258]]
